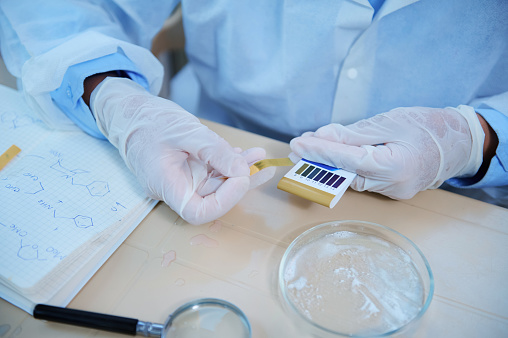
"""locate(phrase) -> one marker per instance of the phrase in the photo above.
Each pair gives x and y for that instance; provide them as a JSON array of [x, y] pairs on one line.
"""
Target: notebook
[[67, 201]]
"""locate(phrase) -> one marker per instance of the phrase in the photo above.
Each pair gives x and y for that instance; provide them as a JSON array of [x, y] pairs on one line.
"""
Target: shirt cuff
[[68, 97], [497, 173]]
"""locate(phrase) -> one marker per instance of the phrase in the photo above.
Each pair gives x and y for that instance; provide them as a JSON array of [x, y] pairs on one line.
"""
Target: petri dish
[[356, 279]]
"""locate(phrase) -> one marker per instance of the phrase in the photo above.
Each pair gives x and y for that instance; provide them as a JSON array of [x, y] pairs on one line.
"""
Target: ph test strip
[[8, 155], [317, 182]]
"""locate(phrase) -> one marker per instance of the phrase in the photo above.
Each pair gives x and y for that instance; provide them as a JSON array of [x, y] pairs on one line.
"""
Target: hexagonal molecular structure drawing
[[98, 188], [31, 187], [83, 221]]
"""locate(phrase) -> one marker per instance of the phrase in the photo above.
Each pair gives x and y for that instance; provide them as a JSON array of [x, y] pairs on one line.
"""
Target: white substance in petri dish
[[354, 284]]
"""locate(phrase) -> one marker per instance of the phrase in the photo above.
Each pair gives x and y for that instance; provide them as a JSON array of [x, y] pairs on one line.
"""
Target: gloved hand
[[175, 157], [401, 152]]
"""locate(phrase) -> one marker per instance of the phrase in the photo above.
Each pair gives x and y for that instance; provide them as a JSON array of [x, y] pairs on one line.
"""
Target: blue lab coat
[[278, 68]]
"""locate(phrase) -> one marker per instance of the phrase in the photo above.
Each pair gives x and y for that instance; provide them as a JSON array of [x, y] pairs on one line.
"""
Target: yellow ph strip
[[305, 191], [270, 162], [8, 155]]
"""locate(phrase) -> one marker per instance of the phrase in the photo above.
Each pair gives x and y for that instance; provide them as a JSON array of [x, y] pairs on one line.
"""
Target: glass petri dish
[[354, 278]]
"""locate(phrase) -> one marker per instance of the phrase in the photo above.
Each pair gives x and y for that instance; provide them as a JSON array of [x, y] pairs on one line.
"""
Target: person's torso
[[282, 68]]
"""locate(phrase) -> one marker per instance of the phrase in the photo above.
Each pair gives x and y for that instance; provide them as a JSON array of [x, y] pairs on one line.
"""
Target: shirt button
[[352, 73]]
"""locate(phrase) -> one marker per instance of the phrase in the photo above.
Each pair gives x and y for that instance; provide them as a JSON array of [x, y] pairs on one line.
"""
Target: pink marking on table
[[204, 240], [168, 258], [215, 226]]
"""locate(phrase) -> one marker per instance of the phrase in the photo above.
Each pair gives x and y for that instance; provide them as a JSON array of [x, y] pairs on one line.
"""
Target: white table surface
[[464, 240]]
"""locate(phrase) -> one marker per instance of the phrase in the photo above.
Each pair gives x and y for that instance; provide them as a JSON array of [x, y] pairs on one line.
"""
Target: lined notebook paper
[[67, 202]]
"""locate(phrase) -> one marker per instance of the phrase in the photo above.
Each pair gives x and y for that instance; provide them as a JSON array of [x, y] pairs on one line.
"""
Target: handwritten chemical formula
[[57, 195]]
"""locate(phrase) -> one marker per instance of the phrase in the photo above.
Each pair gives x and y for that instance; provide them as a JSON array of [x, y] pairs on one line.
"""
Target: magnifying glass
[[204, 318]]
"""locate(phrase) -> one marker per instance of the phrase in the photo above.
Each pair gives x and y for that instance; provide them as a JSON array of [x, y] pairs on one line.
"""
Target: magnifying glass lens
[[207, 321]]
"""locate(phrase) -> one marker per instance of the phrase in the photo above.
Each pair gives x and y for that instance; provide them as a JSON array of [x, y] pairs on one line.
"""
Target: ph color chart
[[317, 182]]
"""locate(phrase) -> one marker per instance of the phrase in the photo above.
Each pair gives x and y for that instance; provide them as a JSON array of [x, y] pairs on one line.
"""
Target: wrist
[[93, 81], [477, 137], [489, 146]]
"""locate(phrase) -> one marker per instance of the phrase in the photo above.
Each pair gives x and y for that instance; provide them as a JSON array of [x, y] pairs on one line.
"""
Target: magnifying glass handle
[[92, 320]]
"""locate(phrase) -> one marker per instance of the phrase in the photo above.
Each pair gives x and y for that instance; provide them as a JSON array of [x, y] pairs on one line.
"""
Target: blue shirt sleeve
[[497, 173], [68, 97]]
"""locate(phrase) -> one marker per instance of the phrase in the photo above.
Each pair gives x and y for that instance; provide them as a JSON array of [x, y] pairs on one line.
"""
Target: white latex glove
[[175, 157], [401, 152]]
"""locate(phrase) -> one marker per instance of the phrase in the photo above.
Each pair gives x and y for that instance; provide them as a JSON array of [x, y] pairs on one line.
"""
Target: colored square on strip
[[326, 178], [320, 175], [314, 173], [338, 182], [332, 180], [308, 171], [301, 169]]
